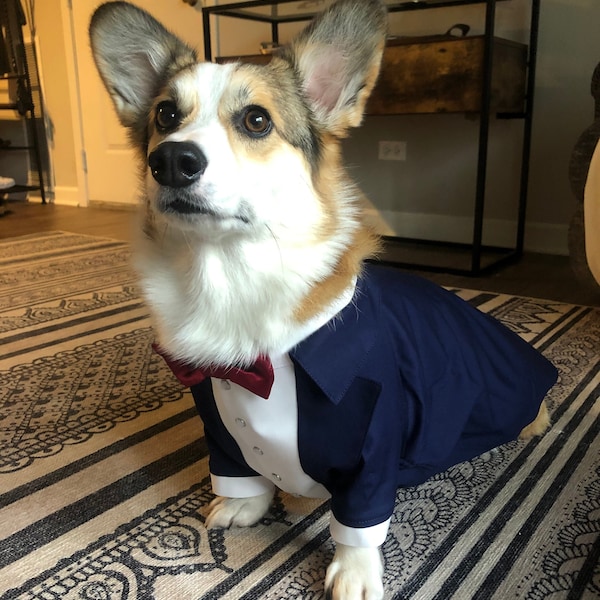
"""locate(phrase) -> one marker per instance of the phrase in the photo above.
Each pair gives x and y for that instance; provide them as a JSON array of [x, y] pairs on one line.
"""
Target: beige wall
[[433, 188], [438, 181]]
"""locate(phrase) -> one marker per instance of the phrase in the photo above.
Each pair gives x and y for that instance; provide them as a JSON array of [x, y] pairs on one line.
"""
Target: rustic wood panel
[[441, 75], [446, 76]]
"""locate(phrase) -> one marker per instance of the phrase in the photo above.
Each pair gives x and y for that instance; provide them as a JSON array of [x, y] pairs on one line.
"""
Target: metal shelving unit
[[478, 257], [17, 72]]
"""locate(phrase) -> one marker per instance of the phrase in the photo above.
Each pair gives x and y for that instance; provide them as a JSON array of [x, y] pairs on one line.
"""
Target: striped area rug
[[104, 478]]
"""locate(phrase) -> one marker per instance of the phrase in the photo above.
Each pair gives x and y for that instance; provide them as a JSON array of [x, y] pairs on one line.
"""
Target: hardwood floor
[[24, 218], [536, 275]]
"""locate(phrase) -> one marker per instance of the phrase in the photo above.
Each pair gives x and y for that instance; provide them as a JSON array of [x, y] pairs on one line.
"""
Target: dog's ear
[[135, 55], [337, 58]]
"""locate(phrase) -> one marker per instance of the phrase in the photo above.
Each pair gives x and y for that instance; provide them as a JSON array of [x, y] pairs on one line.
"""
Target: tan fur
[[539, 425], [248, 87], [364, 244], [327, 180]]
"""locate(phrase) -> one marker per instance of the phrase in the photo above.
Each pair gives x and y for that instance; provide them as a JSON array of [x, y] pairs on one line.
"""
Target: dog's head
[[241, 148]]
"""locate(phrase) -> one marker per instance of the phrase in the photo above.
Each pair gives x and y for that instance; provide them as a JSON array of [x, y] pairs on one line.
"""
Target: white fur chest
[[232, 302]]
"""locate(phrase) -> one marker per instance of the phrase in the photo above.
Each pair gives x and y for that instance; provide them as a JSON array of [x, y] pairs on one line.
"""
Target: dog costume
[[404, 362]]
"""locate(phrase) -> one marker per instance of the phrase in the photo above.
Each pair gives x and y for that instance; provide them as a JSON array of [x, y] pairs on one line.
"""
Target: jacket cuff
[[240, 487], [361, 537]]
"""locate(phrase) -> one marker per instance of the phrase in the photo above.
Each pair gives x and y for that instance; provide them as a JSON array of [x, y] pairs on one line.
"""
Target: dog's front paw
[[237, 512], [354, 574]]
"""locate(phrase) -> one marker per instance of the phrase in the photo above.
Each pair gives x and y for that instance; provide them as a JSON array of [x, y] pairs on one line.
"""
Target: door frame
[[80, 195]]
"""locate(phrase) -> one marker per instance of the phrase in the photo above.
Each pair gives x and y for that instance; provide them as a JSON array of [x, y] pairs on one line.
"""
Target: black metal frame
[[476, 249]]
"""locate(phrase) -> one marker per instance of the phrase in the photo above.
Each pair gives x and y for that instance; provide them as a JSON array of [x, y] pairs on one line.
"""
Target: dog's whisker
[[187, 241], [281, 262], [164, 232]]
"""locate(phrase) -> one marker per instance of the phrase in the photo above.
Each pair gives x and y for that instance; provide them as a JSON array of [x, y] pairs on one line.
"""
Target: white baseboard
[[546, 238], [69, 196]]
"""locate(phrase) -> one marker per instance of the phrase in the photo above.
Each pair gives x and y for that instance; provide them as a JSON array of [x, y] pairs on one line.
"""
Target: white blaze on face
[[258, 183]]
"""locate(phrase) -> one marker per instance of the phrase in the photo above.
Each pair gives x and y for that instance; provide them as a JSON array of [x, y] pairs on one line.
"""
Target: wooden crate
[[445, 76], [255, 59], [441, 75]]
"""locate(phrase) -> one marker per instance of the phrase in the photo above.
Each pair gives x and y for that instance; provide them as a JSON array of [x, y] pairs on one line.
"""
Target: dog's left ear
[[337, 58]]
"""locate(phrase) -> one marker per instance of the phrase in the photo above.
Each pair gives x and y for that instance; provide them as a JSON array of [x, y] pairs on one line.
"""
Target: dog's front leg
[[355, 574], [237, 512]]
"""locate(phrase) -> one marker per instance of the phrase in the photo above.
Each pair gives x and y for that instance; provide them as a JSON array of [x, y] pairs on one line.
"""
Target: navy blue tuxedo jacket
[[407, 381]]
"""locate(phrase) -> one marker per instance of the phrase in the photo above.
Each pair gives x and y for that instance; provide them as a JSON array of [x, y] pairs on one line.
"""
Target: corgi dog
[[313, 372]]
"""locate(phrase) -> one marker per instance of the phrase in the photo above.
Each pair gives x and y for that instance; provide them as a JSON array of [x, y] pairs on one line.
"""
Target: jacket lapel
[[334, 355]]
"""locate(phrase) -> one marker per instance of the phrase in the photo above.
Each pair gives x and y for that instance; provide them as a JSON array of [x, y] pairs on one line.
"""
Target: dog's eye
[[167, 116], [256, 121]]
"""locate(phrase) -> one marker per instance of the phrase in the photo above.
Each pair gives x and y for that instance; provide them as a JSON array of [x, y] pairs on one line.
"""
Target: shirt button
[[257, 450], [225, 384], [276, 477], [240, 422]]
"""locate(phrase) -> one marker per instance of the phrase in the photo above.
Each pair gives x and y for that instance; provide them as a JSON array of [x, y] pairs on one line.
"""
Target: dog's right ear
[[135, 56], [337, 58]]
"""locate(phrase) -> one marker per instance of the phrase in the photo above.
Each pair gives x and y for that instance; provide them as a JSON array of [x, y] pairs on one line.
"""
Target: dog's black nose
[[177, 164]]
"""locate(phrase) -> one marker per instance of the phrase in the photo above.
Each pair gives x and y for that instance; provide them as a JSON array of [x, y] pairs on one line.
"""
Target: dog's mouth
[[187, 208], [183, 203], [182, 206]]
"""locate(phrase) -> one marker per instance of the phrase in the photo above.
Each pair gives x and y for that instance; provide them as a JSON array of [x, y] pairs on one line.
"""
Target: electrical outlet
[[392, 150]]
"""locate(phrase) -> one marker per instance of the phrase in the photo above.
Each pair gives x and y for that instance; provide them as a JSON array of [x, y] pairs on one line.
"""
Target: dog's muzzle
[[177, 164]]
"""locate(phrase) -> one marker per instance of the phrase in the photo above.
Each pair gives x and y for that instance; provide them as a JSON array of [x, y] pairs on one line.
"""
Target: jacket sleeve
[[354, 448], [363, 499]]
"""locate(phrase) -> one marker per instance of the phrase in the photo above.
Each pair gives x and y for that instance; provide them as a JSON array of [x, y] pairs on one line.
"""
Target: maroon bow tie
[[258, 378]]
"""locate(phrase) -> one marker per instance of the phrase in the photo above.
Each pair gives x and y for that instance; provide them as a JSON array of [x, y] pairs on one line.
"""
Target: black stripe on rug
[[583, 312], [481, 299], [91, 459], [516, 547], [587, 576], [50, 528], [248, 568], [79, 321], [64, 252]]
